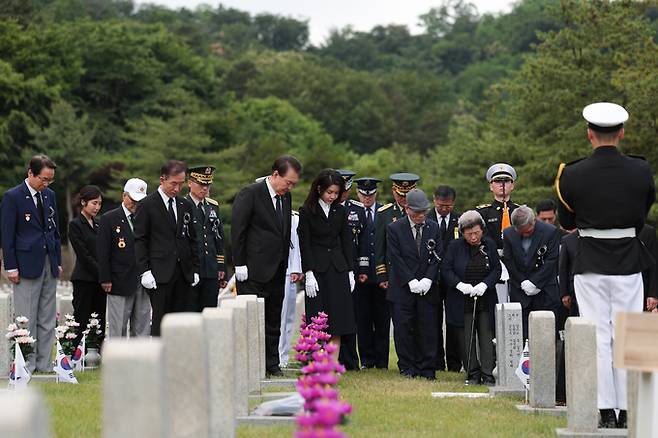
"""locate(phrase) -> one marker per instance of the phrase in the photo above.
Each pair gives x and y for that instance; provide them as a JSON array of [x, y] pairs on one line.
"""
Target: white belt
[[612, 233]]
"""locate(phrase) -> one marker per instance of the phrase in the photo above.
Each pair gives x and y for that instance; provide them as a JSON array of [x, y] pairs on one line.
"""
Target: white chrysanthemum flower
[[11, 327], [94, 315], [22, 320], [71, 335]]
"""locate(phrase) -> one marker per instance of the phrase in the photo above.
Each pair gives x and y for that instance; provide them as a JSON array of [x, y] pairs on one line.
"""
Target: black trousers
[[88, 298], [455, 349], [273, 292], [204, 294], [484, 365], [415, 332], [169, 297], [538, 302], [440, 351], [348, 356], [373, 322]]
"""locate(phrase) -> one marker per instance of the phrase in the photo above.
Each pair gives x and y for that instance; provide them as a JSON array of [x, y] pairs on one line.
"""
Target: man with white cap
[[118, 272], [607, 197]]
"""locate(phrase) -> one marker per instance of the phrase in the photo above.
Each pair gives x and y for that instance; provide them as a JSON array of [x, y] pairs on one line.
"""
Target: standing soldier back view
[[607, 197], [210, 239]]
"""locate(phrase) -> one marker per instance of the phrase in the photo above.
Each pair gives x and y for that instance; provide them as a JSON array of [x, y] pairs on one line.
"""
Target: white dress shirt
[[32, 193], [165, 199], [325, 207], [273, 194]]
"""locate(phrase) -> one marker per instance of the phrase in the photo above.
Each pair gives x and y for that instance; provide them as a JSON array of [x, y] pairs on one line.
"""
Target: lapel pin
[[27, 217]]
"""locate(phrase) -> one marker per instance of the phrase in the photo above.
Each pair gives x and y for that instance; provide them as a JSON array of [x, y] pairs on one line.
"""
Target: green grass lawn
[[384, 405]]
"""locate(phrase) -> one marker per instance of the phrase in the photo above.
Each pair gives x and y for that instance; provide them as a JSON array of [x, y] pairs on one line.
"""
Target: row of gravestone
[[194, 381]]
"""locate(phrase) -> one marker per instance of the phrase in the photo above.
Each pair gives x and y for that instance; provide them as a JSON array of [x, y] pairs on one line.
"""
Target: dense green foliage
[[110, 91]]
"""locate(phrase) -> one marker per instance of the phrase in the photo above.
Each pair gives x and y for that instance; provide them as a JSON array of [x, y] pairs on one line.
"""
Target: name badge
[[456, 233]]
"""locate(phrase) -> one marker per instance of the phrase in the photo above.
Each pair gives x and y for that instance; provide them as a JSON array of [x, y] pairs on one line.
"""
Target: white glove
[[529, 288], [352, 281], [425, 285], [196, 279], [311, 285], [414, 286], [465, 288], [241, 273], [148, 280], [479, 289]]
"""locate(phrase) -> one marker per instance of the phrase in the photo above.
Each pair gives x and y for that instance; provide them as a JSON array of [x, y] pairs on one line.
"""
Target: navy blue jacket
[[540, 269], [404, 263], [453, 272], [26, 240]]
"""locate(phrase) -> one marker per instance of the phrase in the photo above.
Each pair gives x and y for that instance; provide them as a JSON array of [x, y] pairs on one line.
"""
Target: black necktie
[[418, 227], [42, 217], [200, 205], [131, 218], [172, 215], [279, 210], [369, 216], [442, 230]]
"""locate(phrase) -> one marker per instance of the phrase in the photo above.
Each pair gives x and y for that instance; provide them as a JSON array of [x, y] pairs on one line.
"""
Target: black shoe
[[430, 378], [488, 381], [607, 419], [622, 422], [408, 374], [274, 372]]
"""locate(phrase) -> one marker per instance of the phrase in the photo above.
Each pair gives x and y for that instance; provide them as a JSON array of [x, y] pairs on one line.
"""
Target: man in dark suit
[[117, 266], [531, 251], [210, 236], [166, 244], [413, 256], [373, 316], [32, 252], [443, 214], [260, 237]]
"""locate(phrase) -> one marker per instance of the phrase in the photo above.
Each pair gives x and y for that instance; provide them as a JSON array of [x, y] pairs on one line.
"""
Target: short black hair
[[285, 162], [87, 193], [173, 167], [38, 162], [546, 205], [445, 192]]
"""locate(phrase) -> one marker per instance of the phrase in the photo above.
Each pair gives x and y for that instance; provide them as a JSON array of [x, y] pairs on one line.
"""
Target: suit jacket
[[453, 271], [404, 263], [83, 239], [26, 238], [115, 246], [210, 237], [541, 270], [325, 240], [159, 244], [356, 220], [452, 230], [258, 240]]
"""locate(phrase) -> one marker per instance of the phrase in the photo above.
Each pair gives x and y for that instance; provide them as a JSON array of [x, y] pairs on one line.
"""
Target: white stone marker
[[580, 350], [134, 389], [542, 359], [186, 370], [220, 344], [241, 379], [5, 320], [23, 414], [65, 306], [253, 355], [509, 346], [261, 336]]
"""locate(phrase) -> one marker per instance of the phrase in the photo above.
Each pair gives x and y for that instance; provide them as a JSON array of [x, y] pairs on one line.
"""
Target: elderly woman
[[471, 268]]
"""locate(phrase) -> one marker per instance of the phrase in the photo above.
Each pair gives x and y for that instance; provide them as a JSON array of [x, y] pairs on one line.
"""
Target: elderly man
[[607, 197], [414, 252], [531, 251]]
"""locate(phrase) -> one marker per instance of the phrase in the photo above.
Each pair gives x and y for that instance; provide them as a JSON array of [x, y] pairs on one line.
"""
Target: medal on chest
[[122, 243], [27, 217], [118, 229]]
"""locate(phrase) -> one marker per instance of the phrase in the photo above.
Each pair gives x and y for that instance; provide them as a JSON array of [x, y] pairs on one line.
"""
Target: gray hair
[[522, 217], [469, 219]]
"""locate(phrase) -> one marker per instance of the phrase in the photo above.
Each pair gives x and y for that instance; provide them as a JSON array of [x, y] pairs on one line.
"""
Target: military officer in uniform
[[356, 219], [496, 215], [607, 197], [210, 231], [373, 317]]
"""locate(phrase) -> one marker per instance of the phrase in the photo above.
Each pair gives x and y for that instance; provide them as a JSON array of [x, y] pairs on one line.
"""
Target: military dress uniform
[[607, 197], [209, 228]]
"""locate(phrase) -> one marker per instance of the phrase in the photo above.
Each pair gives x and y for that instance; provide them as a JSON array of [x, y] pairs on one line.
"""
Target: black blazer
[[404, 263], [453, 272], [159, 245], [258, 240], [83, 239], [325, 241], [452, 230], [540, 270], [116, 253]]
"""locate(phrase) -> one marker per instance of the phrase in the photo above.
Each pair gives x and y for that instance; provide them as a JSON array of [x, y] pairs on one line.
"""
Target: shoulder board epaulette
[[357, 203], [295, 213], [560, 169], [212, 201], [384, 207], [482, 206], [639, 157]]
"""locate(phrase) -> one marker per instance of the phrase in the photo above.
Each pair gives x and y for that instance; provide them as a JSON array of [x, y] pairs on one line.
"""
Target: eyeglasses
[[45, 180]]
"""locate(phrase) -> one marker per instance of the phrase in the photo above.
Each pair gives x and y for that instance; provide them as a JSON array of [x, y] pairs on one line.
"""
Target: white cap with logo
[[136, 189]]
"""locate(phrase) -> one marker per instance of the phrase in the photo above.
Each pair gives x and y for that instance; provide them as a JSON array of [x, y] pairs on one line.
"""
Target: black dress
[[326, 248]]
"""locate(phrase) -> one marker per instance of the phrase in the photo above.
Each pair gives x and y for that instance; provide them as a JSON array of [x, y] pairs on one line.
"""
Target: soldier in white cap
[[607, 197]]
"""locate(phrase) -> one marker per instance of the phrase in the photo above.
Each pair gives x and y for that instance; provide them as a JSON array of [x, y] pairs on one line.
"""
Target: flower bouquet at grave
[[93, 332], [66, 334], [18, 333]]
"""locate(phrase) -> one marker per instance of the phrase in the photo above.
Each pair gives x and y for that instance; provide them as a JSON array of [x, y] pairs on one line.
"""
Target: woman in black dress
[[88, 297], [326, 248]]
